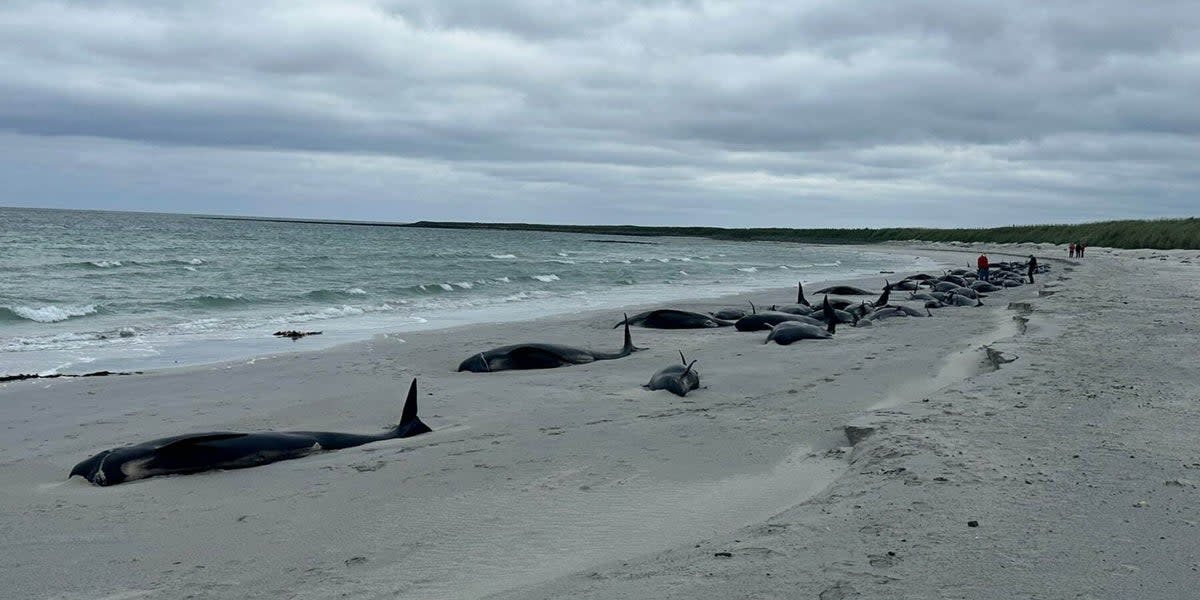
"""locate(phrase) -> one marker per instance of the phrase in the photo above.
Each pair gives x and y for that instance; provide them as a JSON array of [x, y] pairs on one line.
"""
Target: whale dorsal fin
[[410, 405], [410, 424]]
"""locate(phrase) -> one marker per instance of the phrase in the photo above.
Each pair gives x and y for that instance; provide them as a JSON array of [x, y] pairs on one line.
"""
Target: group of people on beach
[[984, 265], [1075, 250]]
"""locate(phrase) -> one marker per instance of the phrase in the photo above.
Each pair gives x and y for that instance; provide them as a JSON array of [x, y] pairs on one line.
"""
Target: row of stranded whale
[[194, 453]]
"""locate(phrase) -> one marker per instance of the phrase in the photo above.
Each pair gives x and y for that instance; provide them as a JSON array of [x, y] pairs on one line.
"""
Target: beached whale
[[677, 379], [767, 320], [793, 331], [669, 318], [540, 356], [197, 452], [846, 290]]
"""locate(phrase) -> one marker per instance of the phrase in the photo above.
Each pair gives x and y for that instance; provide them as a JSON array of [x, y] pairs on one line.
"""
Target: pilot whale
[[540, 356], [197, 452]]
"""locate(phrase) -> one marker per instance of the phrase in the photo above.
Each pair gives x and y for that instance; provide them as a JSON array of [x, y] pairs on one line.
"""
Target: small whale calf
[[677, 379], [540, 356], [198, 452]]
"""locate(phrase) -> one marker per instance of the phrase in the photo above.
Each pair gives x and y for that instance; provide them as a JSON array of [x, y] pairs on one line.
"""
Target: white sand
[[576, 482]]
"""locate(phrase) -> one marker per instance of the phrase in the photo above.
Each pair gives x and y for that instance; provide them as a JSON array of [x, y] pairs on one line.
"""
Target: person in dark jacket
[[1032, 266]]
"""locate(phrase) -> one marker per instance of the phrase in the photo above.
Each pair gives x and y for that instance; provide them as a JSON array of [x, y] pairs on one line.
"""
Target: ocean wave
[[560, 261], [217, 300], [46, 314], [749, 269], [500, 256], [105, 264], [545, 278], [328, 294]]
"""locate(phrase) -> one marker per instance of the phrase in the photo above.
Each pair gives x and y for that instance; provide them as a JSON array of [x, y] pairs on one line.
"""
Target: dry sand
[[1077, 459]]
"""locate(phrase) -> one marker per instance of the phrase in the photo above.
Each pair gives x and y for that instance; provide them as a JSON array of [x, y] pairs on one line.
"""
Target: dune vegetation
[[1158, 234]]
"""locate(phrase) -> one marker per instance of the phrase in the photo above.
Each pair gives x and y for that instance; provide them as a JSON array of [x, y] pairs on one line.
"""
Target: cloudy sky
[[798, 113]]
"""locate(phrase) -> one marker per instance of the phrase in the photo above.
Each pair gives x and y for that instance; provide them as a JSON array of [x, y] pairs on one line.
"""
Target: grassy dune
[[1159, 234]]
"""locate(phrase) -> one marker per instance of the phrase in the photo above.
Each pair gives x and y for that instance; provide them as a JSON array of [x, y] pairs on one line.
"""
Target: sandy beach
[[1059, 418]]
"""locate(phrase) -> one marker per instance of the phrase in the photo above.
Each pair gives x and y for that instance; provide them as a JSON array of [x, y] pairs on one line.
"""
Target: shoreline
[[524, 478], [217, 349]]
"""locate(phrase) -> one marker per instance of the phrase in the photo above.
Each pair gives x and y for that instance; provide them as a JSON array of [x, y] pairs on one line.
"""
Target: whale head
[[476, 364]]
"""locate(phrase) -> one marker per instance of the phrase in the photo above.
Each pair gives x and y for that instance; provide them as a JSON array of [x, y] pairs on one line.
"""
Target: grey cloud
[[846, 112]]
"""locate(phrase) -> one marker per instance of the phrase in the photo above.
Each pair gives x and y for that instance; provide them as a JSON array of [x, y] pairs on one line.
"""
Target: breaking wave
[[46, 314]]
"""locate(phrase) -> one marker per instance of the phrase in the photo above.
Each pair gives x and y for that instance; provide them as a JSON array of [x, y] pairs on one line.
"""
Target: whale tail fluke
[[410, 424], [682, 360]]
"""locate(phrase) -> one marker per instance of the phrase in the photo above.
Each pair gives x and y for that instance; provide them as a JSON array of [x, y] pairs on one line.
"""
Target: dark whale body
[[540, 356], [677, 379], [669, 318], [767, 320], [789, 332], [846, 290], [198, 452]]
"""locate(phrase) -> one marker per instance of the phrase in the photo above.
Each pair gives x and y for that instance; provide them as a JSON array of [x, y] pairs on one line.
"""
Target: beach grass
[[1161, 234]]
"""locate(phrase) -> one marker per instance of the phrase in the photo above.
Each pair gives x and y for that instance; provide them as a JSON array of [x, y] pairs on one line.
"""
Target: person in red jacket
[[1071, 250], [983, 267]]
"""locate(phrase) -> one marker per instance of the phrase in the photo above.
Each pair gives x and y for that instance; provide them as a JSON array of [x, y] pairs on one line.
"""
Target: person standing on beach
[[1071, 250], [1032, 266], [1079, 250], [983, 267]]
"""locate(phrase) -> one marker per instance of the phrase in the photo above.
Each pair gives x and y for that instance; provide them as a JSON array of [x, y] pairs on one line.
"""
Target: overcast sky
[[745, 113]]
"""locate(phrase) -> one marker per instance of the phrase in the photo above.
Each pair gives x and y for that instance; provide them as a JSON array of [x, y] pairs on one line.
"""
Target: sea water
[[85, 290]]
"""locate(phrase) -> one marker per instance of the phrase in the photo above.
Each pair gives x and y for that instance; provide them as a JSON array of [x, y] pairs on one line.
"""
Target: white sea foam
[[466, 285], [190, 268], [503, 255], [503, 280], [106, 264], [446, 286], [749, 269], [356, 292], [546, 278], [195, 261], [51, 313]]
